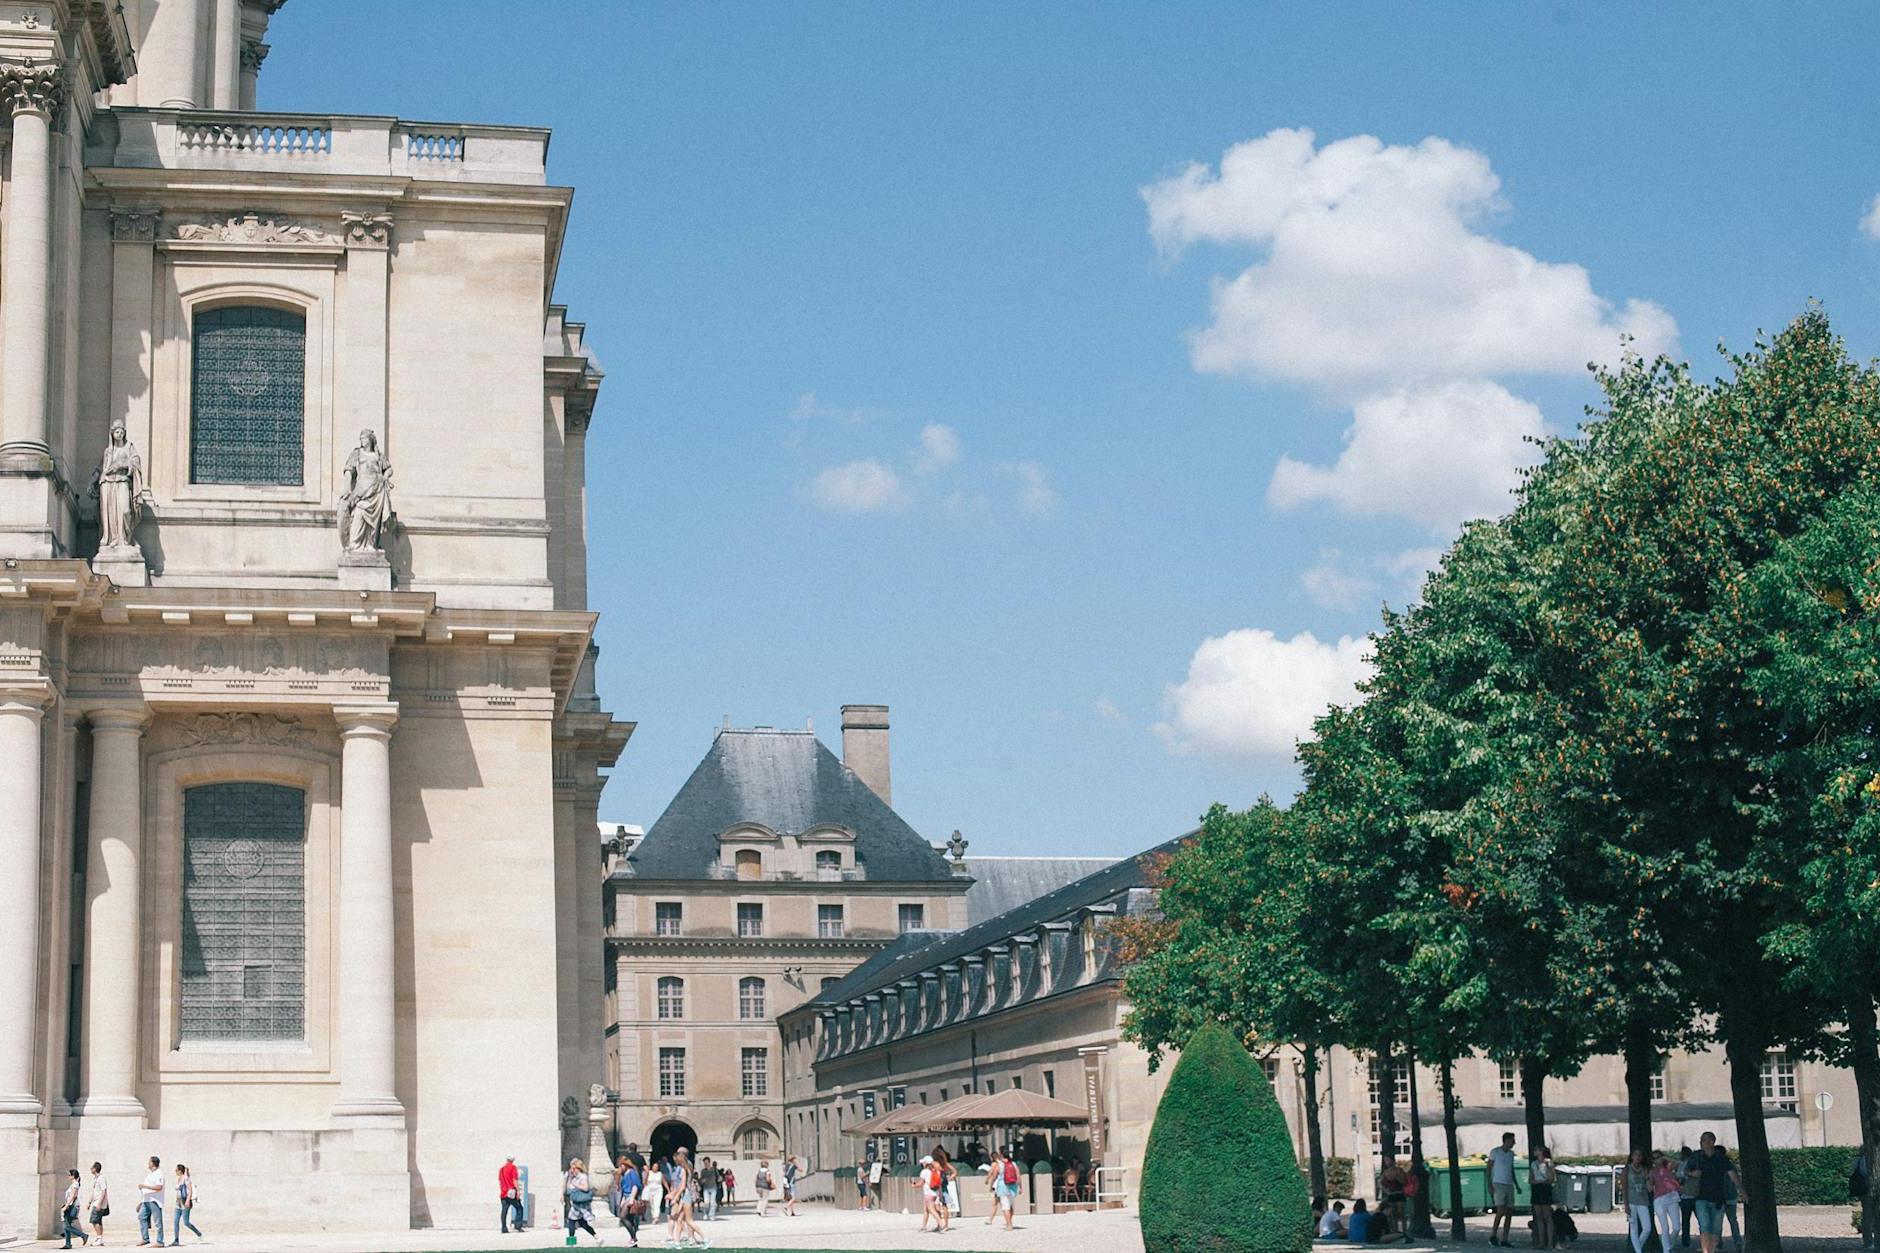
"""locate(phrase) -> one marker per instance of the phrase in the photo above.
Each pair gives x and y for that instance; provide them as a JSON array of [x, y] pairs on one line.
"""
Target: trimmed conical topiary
[[1219, 1175]]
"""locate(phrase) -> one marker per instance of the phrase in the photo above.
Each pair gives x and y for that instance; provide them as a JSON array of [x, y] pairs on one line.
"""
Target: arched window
[[671, 997], [755, 1140], [244, 973], [751, 997], [750, 864], [248, 396], [828, 862]]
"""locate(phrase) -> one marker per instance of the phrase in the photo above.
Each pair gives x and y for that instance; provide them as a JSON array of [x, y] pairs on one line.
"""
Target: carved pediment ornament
[[366, 230], [245, 728], [31, 87], [252, 228], [135, 225]]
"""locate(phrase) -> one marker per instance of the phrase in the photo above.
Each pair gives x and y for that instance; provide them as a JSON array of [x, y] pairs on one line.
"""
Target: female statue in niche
[[118, 484], [365, 501]]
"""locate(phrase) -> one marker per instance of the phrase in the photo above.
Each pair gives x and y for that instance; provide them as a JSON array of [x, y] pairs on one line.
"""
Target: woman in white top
[[99, 1201], [685, 1196], [577, 1193], [653, 1190], [68, 1212], [184, 1205]]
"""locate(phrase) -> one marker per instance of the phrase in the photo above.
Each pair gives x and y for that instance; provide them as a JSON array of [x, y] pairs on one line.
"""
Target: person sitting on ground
[[1332, 1226], [1362, 1220]]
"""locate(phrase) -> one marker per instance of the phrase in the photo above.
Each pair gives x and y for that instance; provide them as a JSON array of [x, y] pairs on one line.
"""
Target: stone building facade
[[299, 761], [775, 871], [1030, 998]]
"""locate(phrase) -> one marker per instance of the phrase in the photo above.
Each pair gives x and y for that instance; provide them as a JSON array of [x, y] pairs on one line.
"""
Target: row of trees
[[1613, 788]]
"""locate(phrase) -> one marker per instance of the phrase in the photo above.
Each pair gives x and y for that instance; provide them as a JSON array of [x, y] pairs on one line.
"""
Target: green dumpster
[[1475, 1190]]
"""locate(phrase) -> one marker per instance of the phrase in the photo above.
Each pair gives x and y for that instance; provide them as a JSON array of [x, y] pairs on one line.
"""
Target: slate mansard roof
[[788, 782], [921, 951]]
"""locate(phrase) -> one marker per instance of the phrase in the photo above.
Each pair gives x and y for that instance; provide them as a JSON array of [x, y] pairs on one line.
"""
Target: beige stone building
[[299, 761], [775, 871]]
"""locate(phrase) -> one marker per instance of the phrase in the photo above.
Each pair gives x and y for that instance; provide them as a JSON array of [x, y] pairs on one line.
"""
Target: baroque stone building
[[299, 761], [775, 871]]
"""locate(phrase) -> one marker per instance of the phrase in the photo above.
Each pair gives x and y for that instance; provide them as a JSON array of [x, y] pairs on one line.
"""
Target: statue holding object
[[118, 486], [365, 500]]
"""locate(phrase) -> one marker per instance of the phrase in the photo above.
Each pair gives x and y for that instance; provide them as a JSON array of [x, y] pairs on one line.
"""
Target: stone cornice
[[669, 945]]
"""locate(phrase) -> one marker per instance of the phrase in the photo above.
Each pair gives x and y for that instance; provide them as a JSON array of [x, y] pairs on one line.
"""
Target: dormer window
[[828, 862], [750, 864]]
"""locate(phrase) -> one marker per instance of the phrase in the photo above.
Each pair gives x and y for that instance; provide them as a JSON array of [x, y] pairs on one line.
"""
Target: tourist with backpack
[[1005, 1185]]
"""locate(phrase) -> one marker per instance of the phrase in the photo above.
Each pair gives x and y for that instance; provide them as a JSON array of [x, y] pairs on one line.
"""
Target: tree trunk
[[1420, 1204], [1386, 1104], [1458, 1226], [1865, 1050], [1745, 1051], [1641, 1063], [1315, 1147], [1534, 1101]]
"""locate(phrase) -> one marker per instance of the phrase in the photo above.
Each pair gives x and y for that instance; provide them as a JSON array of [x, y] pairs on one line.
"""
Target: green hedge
[[1816, 1176], [1219, 1161]]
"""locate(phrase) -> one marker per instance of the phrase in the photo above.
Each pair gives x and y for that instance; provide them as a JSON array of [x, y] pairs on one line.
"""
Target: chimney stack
[[865, 747]]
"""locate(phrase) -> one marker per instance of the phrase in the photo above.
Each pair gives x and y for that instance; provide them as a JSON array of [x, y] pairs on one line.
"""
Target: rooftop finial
[[956, 847]]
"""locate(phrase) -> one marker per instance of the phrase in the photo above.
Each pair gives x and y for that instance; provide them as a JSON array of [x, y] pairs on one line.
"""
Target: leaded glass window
[[248, 402], [244, 913]]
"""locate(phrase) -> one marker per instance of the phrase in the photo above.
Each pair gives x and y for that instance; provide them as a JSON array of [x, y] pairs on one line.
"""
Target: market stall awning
[[1014, 1107]]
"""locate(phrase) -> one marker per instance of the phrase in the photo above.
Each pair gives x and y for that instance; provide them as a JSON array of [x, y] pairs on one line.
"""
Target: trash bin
[[1571, 1187], [1474, 1174], [1599, 1199]]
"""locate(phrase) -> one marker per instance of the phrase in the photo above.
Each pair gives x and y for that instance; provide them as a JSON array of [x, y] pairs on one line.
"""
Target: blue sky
[[910, 400]]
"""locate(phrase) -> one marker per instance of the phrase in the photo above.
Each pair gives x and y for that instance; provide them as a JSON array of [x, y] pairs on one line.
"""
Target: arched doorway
[[669, 1136]]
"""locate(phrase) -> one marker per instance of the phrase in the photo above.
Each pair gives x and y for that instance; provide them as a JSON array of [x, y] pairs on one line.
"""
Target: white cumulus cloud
[[939, 448], [1375, 268], [1332, 584], [1439, 455], [863, 486], [1036, 496], [1250, 694], [1870, 223]]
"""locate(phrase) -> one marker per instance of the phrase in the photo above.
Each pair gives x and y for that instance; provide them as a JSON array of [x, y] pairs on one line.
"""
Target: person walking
[[509, 1194], [653, 1191], [1501, 1190], [789, 1185], [1715, 1175], [1687, 1195], [98, 1201], [1638, 1199], [577, 1199], [685, 1232], [628, 1204], [1541, 1191], [1391, 1183], [68, 1211], [731, 1187], [931, 1181], [762, 1185], [1005, 1185], [861, 1185], [710, 1180], [946, 1180], [183, 1211], [150, 1205], [876, 1170]]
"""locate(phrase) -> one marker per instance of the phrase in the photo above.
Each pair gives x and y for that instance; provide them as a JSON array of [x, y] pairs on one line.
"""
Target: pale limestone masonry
[[290, 842]]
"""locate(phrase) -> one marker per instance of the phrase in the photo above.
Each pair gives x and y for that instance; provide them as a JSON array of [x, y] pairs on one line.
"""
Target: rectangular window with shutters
[[829, 922], [750, 920], [756, 1072], [244, 967], [672, 1072], [667, 917], [248, 382]]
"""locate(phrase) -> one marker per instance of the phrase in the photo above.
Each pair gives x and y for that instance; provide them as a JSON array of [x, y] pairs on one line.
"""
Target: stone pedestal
[[600, 1162], [365, 571], [123, 566]]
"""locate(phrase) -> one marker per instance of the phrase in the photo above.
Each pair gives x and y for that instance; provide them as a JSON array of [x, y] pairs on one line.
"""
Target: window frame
[[663, 985], [738, 913], [678, 918], [745, 983], [901, 909], [676, 1088], [823, 931], [296, 450], [760, 1074]]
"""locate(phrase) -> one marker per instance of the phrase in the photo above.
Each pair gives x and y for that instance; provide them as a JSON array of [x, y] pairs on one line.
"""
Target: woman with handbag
[[577, 1192], [68, 1212], [184, 1210]]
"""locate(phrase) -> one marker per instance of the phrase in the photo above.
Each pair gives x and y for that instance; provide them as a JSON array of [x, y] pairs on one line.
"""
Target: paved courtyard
[[1821, 1229]]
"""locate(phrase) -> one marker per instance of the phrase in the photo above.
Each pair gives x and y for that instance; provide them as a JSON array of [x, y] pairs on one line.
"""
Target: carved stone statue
[[365, 500], [118, 485]]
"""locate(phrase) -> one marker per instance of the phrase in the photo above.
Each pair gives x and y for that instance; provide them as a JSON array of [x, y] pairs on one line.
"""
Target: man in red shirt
[[509, 1184]]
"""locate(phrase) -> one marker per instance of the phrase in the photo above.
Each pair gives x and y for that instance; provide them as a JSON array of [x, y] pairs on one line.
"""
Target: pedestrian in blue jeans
[[150, 1205], [68, 1213], [182, 1210]]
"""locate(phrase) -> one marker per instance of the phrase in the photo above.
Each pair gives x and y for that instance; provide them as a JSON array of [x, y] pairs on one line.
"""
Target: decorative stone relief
[[135, 226], [366, 230], [252, 228], [31, 87], [244, 728], [222, 655]]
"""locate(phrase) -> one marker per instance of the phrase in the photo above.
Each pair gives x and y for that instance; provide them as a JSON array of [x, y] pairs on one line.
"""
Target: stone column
[[591, 942], [169, 60], [32, 94], [579, 413], [254, 52], [114, 916], [368, 1005], [224, 74], [21, 709]]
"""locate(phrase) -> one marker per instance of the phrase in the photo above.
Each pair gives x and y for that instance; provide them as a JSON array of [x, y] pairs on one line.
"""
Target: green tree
[[1218, 1122]]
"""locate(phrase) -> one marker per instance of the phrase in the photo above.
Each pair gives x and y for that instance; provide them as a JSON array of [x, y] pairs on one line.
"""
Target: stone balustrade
[[175, 139]]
